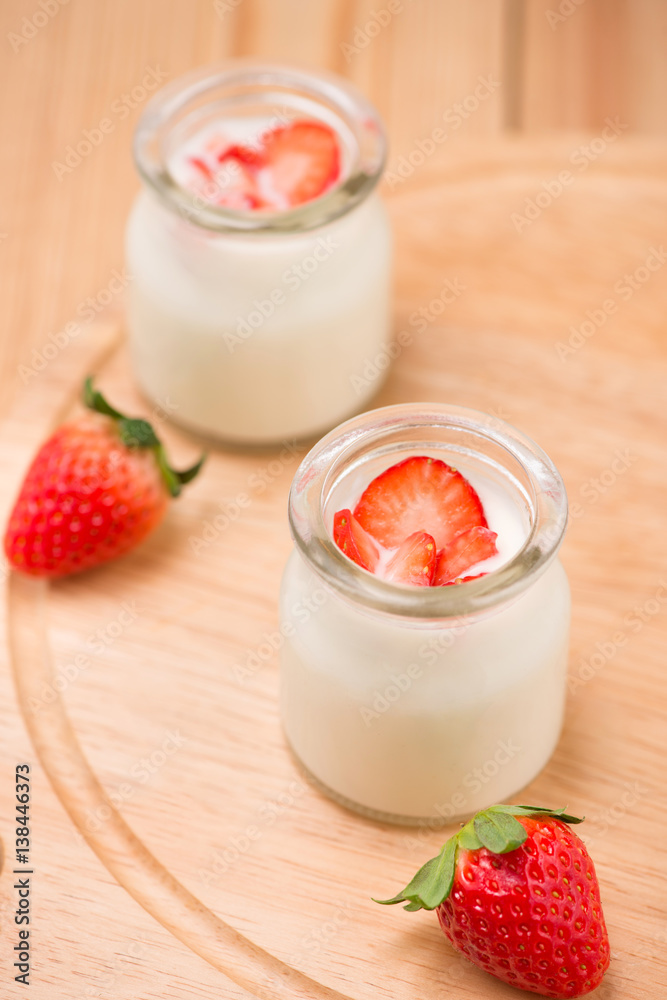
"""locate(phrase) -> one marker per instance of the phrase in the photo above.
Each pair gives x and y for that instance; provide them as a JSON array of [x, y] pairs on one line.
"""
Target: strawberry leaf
[[432, 884], [535, 811], [187, 475], [498, 831], [468, 839], [94, 400], [496, 828], [556, 813], [137, 433], [134, 432]]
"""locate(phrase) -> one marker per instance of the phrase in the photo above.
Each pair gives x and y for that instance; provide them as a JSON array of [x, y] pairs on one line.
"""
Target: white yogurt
[[411, 720], [254, 335], [258, 338]]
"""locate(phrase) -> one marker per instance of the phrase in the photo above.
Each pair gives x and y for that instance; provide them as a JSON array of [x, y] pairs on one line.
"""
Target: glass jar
[[422, 704], [256, 326]]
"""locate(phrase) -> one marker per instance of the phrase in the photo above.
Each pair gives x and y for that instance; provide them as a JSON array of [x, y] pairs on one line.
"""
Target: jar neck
[[275, 94], [362, 447]]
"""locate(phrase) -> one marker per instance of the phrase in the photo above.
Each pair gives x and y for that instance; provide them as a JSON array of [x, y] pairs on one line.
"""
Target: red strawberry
[[237, 188], [202, 167], [351, 539], [235, 184], [303, 159], [419, 494], [466, 549], [413, 561], [94, 490], [243, 154], [516, 893], [463, 579]]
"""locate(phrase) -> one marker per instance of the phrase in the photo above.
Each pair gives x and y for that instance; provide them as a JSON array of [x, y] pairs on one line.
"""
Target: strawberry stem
[[94, 400], [134, 432], [495, 829]]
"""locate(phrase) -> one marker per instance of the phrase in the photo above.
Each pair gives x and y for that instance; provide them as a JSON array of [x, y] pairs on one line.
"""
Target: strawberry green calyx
[[137, 433], [496, 828]]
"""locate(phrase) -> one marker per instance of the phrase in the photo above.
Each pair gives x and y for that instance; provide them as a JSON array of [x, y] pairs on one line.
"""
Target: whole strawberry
[[95, 489], [516, 892]]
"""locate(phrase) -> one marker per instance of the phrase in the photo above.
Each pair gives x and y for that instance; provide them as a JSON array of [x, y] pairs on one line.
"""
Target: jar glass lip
[[347, 446], [322, 94]]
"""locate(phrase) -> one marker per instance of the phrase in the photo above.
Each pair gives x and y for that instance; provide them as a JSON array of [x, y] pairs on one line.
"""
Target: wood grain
[[607, 58], [224, 811], [599, 59]]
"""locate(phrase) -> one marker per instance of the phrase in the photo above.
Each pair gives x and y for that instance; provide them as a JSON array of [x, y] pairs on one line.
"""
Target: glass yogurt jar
[[414, 704], [260, 268]]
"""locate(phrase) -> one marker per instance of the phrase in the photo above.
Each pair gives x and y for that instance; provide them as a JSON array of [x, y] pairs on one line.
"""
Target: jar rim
[[236, 77], [313, 539]]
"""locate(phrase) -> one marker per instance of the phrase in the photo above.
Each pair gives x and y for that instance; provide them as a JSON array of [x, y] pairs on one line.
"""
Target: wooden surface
[[165, 635], [606, 59], [228, 860]]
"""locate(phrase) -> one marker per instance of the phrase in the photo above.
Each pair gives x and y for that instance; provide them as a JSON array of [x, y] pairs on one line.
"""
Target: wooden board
[[213, 855]]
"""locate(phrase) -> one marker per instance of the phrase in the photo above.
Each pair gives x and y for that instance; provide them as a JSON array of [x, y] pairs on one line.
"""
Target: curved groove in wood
[[125, 856]]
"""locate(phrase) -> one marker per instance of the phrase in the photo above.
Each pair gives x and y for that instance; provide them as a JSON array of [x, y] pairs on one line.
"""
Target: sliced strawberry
[[356, 543], [463, 579], [202, 167], [414, 561], [465, 550], [242, 154], [419, 494], [303, 160], [238, 188]]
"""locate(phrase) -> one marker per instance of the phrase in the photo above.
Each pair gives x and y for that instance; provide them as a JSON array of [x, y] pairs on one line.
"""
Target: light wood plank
[[586, 62], [425, 60], [302, 891]]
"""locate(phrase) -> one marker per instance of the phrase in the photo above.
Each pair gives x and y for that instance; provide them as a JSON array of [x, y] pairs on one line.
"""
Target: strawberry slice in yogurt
[[426, 521], [248, 167]]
